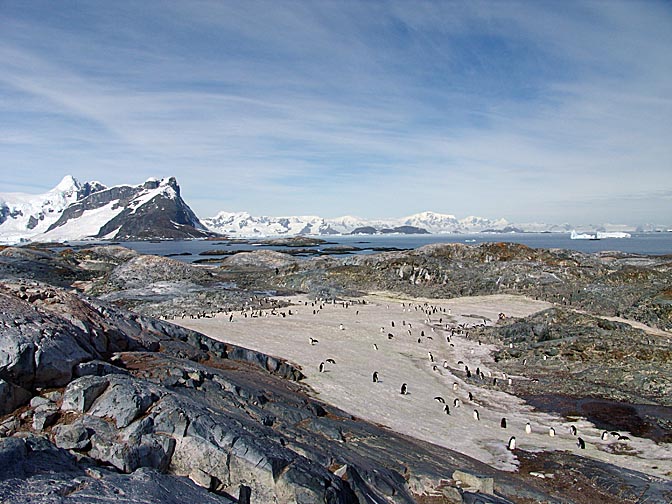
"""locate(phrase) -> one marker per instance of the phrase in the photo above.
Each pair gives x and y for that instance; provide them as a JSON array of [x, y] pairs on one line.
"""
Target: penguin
[[341, 327], [375, 377], [605, 436], [390, 335], [471, 397], [393, 323], [572, 429], [476, 415], [404, 389], [431, 357], [313, 341], [502, 424], [321, 367], [512, 443], [331, 361], [446, 410], [551, 432], [445, 364], [528, 428], [623, 438], [375, 347], [581, 443], [457, 403], [440, 399], [435, 368], [454, 386]]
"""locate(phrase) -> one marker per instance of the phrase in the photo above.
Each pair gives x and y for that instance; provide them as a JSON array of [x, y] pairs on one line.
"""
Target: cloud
[[491, 108]]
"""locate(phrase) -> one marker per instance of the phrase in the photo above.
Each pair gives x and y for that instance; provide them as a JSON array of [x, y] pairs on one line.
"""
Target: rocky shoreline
[[102, 402]]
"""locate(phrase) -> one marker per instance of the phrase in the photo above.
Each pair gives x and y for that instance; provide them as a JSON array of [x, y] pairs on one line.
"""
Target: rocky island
[[451, 373]]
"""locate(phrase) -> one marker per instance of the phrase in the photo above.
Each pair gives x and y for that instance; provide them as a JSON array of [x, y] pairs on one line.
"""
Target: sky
[[533, 111]]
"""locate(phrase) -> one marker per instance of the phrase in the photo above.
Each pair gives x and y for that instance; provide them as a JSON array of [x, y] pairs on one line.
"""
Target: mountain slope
[[153, 210], [23, 215]]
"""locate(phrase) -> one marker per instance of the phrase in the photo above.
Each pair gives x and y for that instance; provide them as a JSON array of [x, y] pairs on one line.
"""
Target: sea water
[[639, 243]]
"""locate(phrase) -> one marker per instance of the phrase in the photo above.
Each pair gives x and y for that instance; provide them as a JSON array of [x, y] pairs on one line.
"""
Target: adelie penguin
[[476, 415], [581, 443], [440, 399], [512, 443], [404, 389], [321, 367], [446, 410], [375, 377], [502, 424], [528, 428], [572, 429]]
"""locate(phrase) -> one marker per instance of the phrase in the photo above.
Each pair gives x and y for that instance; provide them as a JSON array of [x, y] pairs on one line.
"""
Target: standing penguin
[[321, 367], [581, 443], [502, 424], [375, 377], [572, 429], [551, 431], [476, 415], [404, 389], [512, 443], [528, 428]]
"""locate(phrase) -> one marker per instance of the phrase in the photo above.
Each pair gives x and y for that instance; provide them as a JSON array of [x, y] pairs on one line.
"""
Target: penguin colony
[[477, 375], [436, 320]]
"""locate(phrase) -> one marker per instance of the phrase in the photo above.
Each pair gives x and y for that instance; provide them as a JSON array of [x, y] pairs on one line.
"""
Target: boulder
[[71, 436], [11, 397], [44, 416], [97, 368], [125, 400], [80, 393]]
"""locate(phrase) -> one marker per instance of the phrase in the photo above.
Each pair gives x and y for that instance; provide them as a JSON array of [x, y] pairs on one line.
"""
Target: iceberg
[[598, 235], [613, 234], [582, 236]]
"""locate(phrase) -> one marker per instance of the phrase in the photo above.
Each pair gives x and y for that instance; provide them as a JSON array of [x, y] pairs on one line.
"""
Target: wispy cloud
[[514, 109]]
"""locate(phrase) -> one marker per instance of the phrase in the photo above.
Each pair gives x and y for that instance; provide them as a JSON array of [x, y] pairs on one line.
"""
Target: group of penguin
[[511, 444]]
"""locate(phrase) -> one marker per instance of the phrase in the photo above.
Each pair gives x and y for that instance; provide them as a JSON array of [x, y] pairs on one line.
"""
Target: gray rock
[[38, 401], [71, 437], [44, 416], [53, 396], [80, 393], [33, 470], [97, 368], [11, 397], [125, 400]]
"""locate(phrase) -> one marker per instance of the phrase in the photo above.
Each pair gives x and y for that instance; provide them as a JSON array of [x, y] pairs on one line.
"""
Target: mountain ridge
[[75, 211], [155, 210]]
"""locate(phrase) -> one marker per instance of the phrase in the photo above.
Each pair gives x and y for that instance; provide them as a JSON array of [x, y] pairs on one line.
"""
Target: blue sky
[[533, 111]]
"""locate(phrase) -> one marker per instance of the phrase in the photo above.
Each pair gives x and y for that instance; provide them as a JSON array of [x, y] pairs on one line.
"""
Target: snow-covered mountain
[[245, 225], [74, 211], [23, 215]]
